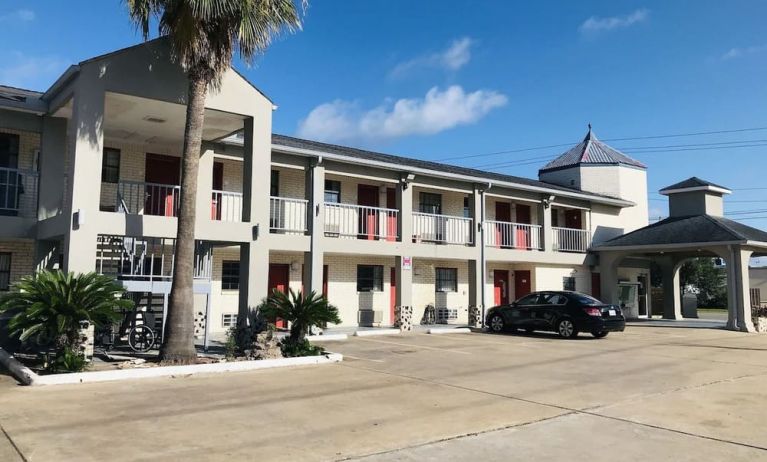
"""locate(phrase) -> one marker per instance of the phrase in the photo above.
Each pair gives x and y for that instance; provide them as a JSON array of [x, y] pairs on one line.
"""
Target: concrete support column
[[53, 145], [405, 207], [404, 282], [547, 234], [315, 195], [608, 275], [738, 284], [257, 153], [254, 282], [86, 143], [672, 290], [204, 198]]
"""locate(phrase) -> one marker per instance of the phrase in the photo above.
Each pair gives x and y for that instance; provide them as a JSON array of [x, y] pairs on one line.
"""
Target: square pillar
[[52, 164], [86, 143], [405, 206], [315, 220], [257, 155], [204, 198], [608, 275], [404, 282], [547, 234], [254, 271], [740, 288], [672, 290]]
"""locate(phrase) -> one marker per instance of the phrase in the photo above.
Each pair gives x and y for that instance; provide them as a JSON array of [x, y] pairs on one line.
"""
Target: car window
[[531, 299], [556, 299], [586, 299]]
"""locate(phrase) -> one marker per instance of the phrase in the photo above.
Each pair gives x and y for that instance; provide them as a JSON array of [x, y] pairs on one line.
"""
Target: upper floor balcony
[[442, 229], [18, 192]]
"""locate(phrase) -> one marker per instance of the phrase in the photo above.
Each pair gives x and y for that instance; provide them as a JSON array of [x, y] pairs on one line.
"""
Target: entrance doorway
[[279, 279], [503, 214], [523, 232], [367, 197], [501, 287], [391, 218], [162, 176], [522, 283], [392, 294]]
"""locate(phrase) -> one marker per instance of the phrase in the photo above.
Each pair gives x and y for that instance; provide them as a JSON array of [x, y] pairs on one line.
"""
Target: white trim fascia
[[452, 176], [227, 157], [568, 206], [756, 243], [288, 166], [513, 198], [656, 247], [361, 177], [442, 188], [710, 188]]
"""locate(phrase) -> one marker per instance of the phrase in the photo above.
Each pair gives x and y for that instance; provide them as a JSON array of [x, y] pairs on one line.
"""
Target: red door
[[503, 231], [522, 283], [391, 218], [523, 232], [367, 196], [500, 287], [162, 173], [393, 294], [218, 185], [279, 279]]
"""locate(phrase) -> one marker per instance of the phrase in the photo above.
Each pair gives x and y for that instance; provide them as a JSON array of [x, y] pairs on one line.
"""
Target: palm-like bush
[[50, 305], [302, 311]]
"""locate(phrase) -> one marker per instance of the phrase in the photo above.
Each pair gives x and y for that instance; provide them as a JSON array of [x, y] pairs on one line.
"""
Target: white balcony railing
[[226, 206], [139, 197], [571, 240], [512, 235], [445, 229], [287, 216], [362, 222], [18, 192]]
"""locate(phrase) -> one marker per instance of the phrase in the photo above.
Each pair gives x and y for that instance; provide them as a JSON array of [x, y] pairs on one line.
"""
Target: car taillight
[[593, 311]]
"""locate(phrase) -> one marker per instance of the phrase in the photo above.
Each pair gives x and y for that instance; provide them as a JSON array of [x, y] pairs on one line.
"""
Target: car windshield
[[586, 299]]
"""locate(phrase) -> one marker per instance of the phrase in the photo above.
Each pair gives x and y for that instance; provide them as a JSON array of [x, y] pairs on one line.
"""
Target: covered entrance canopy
[[696, 227]]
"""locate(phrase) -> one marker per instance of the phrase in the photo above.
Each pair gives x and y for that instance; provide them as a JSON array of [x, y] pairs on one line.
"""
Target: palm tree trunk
[[178, 342]]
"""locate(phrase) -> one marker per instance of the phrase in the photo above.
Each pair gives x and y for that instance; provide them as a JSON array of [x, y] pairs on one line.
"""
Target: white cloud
[[733, 53], [596, 24], [454, 57], [18, 15], [32, 72], [437, 111]]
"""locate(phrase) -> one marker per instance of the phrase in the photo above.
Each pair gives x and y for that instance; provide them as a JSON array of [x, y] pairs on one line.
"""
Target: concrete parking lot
[[649, 393]]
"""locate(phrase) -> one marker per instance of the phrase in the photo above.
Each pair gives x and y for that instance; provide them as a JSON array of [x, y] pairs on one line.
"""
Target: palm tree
[[203, 35], [50, 305], [302, 311]]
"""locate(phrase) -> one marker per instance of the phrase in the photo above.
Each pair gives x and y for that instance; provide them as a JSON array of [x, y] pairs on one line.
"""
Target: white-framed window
[[228, 320], [230, 275], [568, 283]]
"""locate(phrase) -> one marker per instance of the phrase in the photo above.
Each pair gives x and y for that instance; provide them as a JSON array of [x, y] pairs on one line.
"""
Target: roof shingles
[[591, 151]]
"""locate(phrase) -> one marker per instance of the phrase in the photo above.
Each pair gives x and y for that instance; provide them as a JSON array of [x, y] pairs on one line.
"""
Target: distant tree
[[709, 281]]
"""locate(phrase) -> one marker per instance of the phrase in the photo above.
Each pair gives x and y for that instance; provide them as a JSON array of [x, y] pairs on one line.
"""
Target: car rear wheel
[[566, 328], [496, 323], [599, 334]]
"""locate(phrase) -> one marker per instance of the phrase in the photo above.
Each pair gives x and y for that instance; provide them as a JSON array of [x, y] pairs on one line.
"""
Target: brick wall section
[[490, 209], [342, 287], [29, 145], [232, 175], [292, 183], [452, 201], [22, 258], [424, 280], [222, 301]]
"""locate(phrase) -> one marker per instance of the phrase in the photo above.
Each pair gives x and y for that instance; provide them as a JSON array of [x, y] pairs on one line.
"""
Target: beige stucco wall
[[758, 280]]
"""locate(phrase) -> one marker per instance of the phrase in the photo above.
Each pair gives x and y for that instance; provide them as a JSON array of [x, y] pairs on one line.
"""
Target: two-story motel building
[[89, 180]]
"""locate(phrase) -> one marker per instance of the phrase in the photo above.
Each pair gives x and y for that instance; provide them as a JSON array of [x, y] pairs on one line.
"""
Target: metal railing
[[18, 192], [226, 206], [144, 198], [429, 227], [512, 235], [146, 258], [287, 215], [571, 240], [360, 221]]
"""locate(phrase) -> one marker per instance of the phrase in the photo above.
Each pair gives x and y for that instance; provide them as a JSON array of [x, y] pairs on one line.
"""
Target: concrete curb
[[326, 337], [375, 332], [171, 371], [19, 371], [449, 330]]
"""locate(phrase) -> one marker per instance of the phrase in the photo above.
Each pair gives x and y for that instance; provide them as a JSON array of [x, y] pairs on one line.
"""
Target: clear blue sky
[[437, 80]]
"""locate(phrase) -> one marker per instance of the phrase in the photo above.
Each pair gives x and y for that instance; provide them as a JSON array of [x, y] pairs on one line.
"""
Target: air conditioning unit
[[446, 315], [369, 318]]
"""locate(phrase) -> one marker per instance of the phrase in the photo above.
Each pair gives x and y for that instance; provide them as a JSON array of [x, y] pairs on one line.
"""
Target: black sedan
[[564, 312]]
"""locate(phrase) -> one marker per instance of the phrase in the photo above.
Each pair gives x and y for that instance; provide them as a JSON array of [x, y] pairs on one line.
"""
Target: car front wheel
[[566, 329], [496, 323], [599, 334]]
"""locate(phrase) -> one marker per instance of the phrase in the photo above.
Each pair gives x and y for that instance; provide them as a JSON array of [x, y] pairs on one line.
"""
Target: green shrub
[[67, 360], [301, 311], [49, 306], [291, 349]]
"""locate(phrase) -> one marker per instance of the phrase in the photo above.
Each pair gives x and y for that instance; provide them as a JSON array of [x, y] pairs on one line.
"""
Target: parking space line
[[364, 359]]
